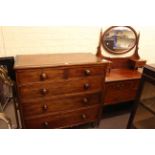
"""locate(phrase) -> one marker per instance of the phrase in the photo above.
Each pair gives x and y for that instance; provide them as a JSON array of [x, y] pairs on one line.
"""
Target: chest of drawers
[[59, 90]]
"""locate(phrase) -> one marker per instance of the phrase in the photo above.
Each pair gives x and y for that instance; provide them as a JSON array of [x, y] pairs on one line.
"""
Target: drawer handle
[[87, 72], [45, 124], [43, 76], [86, 86], [83, 116], [44, 91], [85, 100], [45, 107]]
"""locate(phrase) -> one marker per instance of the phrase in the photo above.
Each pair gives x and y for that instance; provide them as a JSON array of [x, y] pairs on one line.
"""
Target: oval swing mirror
[[119, 39]]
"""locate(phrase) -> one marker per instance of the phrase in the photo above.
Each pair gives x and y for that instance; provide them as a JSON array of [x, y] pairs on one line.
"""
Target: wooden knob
[[44, 91], [85, 100], [45, 107], [43, 76], [86, 85], [87, 72], [45, 124], [83, 116]]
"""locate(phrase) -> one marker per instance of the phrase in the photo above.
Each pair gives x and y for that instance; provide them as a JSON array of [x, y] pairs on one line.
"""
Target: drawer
[[65, 120], [39, 90], [121, 91], [86, 71], [36, 75], [60, 104], [48, 74]]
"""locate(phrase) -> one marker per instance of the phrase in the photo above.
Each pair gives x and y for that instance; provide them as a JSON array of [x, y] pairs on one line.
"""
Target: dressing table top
[[122, 75]]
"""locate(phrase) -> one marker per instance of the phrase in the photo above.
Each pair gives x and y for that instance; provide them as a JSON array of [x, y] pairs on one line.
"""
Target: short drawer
[[86, 71], [49, 74], [39, 90], [121, 91], [61, 103], [37, 75], [64, 120]]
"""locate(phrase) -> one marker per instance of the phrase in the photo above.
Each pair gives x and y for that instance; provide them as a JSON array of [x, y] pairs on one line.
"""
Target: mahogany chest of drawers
[[59, 90]]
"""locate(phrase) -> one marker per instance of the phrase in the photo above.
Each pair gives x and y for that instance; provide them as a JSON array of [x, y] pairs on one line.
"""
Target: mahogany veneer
[[60, 90], [121, 85]]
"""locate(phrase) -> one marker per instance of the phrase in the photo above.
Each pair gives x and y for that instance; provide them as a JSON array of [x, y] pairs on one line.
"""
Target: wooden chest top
[[54, 60]]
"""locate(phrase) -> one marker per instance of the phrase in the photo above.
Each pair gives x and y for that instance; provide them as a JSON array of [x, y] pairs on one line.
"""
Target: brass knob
[[86, 85], [85, 100], [45, 124], [87, 72], [45, 107], [83, 116], [44, 91], [43, 76]]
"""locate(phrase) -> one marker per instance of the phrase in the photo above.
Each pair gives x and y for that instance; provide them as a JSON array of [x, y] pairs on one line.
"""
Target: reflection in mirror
[[119, 39]]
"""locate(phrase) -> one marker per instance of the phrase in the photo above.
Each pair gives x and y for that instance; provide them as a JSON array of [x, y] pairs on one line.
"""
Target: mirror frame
[[122, 52]]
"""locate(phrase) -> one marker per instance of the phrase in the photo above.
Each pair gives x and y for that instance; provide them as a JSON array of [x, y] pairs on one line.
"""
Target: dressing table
[[119, 45], [60, 90]]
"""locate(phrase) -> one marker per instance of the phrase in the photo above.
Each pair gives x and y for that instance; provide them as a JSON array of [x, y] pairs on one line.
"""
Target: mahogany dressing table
[[119, 45]]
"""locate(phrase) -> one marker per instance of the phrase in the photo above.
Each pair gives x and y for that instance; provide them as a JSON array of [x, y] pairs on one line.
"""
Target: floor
[[115, 122], [115, 117]]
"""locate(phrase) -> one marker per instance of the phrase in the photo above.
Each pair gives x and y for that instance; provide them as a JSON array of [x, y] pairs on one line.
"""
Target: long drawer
[[121, 91], [26, 76], [60, 103], [39, 90], [64, 120]]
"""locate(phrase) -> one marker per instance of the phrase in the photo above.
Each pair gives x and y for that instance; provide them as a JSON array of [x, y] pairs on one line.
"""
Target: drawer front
[[49, 74], [39, 90], [60, 104], [38, 75], [64, 120], [86, 71], [123, 91]]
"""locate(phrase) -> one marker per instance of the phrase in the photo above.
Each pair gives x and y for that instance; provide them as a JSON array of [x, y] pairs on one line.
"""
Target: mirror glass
[[119, 39]]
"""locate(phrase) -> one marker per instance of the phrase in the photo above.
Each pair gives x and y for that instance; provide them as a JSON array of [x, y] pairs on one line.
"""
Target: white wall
[[2, 50], [32, 40], [147, 43], [29, 40]]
